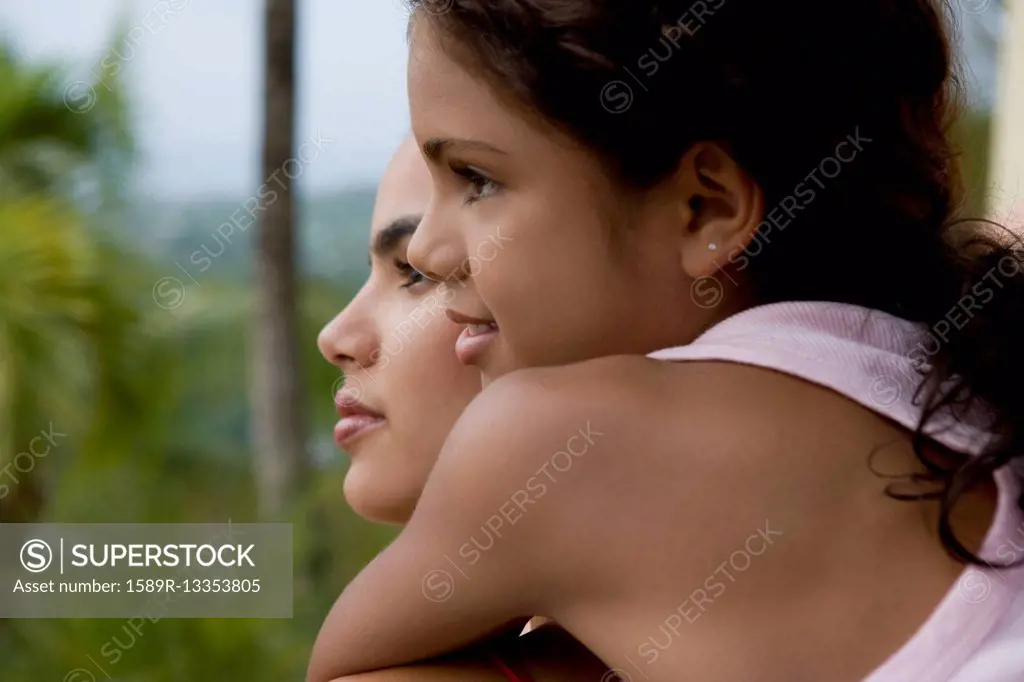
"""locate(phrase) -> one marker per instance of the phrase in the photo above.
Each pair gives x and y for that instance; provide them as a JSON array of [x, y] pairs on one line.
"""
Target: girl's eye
[[411, 275], [482, 186]]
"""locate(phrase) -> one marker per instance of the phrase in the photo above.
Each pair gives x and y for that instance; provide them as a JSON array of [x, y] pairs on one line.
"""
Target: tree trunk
[[1007, 145], [278, 428]]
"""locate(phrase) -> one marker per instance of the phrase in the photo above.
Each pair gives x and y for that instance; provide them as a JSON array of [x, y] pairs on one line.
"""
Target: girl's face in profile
[[404, 387], [548, 260]]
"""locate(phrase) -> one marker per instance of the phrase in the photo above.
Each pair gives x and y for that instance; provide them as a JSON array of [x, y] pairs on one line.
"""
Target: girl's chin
[[376, 502], [498, 365]]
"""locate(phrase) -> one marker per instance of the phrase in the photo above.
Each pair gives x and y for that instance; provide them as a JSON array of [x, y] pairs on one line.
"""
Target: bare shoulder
[[588, 386], [558, 438], [604, 406], [636, 443], [536, 443], [651, 430], [526, 416], [692, 409], [529, 421]]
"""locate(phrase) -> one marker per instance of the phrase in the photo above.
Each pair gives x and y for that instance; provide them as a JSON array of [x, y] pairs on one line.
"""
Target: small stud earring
[[712, 246]]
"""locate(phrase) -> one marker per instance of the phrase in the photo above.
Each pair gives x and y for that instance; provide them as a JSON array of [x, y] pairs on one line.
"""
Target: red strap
[[509, 673]]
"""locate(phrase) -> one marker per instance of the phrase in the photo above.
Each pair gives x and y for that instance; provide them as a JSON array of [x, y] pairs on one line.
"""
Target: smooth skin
[[410, 374], [395, 347], [692, 458]]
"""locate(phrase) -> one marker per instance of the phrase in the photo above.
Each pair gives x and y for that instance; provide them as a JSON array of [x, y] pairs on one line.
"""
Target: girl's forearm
[[467, 671], [547, 654], [359, 639]]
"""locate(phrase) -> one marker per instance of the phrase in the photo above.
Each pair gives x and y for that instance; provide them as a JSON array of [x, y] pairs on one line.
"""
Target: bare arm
[[475, 559], [467, 670], [549, 654]]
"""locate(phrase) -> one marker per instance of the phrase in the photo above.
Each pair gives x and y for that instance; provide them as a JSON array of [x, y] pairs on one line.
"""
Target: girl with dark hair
[[754, 406]]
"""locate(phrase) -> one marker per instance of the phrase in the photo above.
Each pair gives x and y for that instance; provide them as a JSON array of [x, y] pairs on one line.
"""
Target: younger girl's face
[[547, 260], [404, 387]]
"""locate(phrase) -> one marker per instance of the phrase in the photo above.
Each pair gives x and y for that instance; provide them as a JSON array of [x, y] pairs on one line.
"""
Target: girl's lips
[[356, 419], [459, 318], [354, 426], [474, 341]]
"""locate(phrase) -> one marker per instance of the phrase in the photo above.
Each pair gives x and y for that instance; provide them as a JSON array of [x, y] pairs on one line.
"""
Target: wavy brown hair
[[780, 85]]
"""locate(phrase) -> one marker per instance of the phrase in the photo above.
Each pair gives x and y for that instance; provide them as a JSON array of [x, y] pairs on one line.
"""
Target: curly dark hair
[[781, 85]]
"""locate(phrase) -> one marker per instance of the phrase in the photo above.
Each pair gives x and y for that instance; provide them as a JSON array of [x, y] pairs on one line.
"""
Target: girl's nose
[[350, 339], [436, 249]]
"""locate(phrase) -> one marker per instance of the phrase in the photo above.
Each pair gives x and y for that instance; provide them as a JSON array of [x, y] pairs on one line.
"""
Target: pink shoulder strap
[[868, 356]]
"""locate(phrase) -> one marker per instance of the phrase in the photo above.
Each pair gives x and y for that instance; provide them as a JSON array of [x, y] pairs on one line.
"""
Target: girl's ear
[[720, 208]]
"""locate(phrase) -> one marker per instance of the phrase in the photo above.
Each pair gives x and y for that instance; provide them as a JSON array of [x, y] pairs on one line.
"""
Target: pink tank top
[[976, 633]]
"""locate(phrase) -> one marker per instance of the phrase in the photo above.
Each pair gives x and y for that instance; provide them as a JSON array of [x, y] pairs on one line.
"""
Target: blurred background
[[167, 351]]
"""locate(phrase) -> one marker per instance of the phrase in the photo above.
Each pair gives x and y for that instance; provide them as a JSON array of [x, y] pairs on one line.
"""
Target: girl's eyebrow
[[435, 147], [388, 239]]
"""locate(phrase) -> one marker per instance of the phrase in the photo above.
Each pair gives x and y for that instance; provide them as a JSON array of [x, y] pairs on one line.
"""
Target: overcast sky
[[195, 78]]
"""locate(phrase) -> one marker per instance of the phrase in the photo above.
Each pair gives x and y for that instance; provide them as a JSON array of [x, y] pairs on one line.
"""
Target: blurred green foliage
[[152, 399], [971, 135]]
